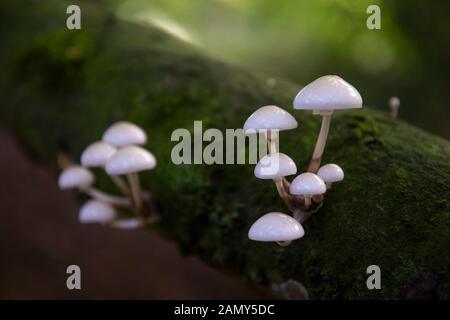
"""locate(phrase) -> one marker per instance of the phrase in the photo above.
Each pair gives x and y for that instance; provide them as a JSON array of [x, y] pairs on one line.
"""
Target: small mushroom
[[270, 119], [276, 166], [394, 105], [97, 154], [323, 96], [95, 211], [81, 178], [331, 173], [276, 226], [308, 185], [130, 160], [124, 133], [75, 177]]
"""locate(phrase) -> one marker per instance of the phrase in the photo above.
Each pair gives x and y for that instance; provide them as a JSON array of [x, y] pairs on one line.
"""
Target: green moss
[[392, 209]]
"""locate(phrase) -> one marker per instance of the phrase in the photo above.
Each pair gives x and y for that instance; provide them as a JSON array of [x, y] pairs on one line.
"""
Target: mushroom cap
[[124, 133], [270, 117], [130, 223], [394, 102], [275, 226], [95, 211], [130, 159], [328, 93], [331, 173], [97, 154], [75, 177], [308, 184], [275, 165]]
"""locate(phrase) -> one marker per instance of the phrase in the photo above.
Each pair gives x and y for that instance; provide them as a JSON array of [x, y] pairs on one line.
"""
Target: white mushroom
[[394, 105], [75, 177], [81, 178], [323, 96], [276, 226], [308, 185], [97, 154], [330, 173], [270, 120], [130, 160], [276, 166], [123, 134], [96, 212]]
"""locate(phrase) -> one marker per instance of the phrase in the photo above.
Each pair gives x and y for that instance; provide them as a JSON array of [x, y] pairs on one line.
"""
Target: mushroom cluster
[[118, 153], [304, 195]]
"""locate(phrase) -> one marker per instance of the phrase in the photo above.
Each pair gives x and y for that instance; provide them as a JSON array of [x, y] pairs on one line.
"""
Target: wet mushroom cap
[[130, 159], [123, 134], [328, 93], [307, 184], [75, 177], [394, 102], [270, 118], [97, 154], [331, 173], [95, 211], [275, 226], [275, 165]]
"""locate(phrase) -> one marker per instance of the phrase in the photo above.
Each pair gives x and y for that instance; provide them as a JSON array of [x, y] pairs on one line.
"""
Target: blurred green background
[[302, 40]]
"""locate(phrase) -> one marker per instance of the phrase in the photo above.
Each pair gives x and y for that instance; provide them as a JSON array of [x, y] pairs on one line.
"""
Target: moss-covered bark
[[60, 89]]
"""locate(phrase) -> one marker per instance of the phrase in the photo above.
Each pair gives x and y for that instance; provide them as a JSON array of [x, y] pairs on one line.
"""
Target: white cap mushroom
[[328, 93], [330, 173], [124, 133], [307, 184], [276, 226], [75, 177], [96, 212], [97, 154], [323, 96], [270, 118], [394, 104], [274, 166], [81, 178], [130, 160]]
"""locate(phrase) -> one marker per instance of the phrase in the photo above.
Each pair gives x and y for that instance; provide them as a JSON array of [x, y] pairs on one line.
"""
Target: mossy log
[[60, 89]]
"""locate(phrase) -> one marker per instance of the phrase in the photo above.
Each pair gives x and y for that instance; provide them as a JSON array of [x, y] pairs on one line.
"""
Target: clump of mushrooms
[[303, 196], [118, 154]]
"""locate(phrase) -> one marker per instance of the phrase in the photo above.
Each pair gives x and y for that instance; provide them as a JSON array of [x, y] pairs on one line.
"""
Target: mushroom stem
[[307, 201], [271, 136], [281, 184], [328, 184], [321, 141], [105, 197], [394, 112], [121, 185], [133, 179], [280, 187]]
